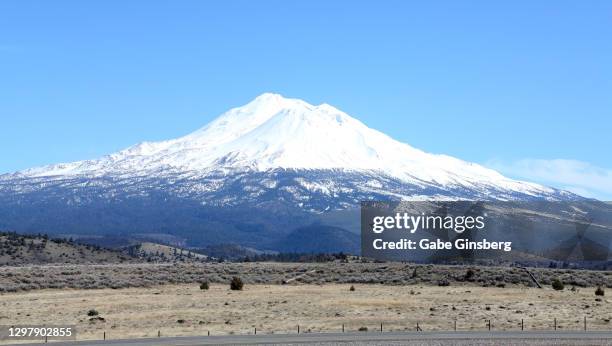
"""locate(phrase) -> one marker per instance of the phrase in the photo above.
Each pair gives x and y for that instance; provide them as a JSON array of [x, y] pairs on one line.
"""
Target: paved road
[[372, 338]]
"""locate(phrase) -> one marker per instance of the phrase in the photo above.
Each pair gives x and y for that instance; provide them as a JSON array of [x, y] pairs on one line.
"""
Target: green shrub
[[557, 285], [599, 291], [352, 288], [92, 312], [236, 284], [204, 285]]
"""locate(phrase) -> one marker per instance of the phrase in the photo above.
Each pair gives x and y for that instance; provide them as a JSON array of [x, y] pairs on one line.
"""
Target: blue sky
[[522, 86]]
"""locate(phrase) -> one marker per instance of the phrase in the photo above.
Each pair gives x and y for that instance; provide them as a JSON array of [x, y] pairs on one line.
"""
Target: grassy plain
[[184, 309]]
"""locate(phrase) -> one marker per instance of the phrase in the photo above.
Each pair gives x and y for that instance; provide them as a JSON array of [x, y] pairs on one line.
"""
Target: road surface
[[371, 338]]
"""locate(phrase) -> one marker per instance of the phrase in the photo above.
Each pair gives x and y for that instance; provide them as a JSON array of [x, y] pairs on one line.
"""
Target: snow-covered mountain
[[274, 155], [273, 132]]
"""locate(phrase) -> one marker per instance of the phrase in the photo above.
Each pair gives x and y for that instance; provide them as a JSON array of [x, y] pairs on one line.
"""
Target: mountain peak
[[275, 100], [269, 96]]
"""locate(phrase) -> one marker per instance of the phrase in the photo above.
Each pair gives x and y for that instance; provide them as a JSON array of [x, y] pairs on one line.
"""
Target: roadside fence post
[[522, 325], [455, 324], [585, 328], [381, 327], [555, 323], [343, 327], [298, 329], [104, 337]]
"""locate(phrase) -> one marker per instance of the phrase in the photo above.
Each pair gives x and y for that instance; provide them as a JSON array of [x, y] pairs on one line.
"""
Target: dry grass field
[[138, 300], [185, 309]]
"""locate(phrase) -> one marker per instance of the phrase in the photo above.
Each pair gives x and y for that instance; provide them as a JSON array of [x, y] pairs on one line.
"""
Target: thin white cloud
[[579, 177]]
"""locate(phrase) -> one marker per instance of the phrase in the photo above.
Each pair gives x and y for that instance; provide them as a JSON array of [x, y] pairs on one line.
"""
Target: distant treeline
[[22, 238], [297, 257]]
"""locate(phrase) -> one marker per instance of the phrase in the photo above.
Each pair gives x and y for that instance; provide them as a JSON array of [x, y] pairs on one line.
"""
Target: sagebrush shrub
[[469, 274], [443, 282]]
